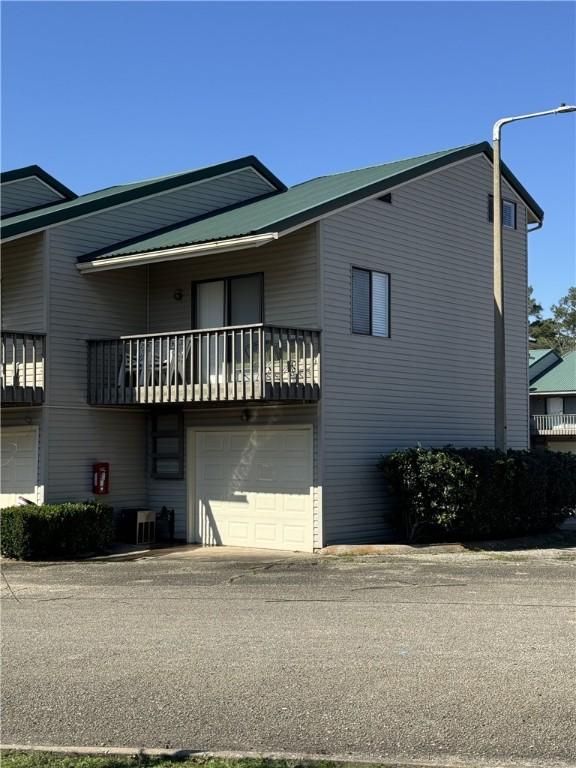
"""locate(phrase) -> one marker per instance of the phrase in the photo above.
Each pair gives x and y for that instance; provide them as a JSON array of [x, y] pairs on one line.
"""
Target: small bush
[[55, 530], [479, 492]]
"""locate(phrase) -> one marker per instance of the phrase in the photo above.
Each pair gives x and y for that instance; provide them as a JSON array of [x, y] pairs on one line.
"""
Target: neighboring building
[[553, 399], [243, 352]]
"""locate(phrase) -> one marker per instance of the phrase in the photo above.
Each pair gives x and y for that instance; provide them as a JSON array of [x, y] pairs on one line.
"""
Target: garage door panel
[[254, 488], [295, 535], [19, 467]]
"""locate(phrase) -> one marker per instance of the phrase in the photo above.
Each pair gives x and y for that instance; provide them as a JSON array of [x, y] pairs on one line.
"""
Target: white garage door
[[18, 465], [254, 488]]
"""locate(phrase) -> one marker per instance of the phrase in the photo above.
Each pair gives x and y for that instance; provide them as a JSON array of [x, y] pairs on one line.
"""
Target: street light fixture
[[499, 331]]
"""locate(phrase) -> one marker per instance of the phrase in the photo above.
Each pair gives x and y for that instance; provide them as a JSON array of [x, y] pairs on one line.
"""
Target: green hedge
[[55, 530], [479, 492]]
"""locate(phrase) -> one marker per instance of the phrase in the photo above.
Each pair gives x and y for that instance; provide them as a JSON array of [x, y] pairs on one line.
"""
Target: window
[[231, 301], [370, 302], [167, 446], [508, 212]]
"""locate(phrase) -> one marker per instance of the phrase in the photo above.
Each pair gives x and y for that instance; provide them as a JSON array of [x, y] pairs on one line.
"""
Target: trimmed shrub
[[479, 492], [55, 530]]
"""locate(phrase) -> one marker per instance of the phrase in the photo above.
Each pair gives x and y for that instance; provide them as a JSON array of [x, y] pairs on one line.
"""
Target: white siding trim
[[320, 410]]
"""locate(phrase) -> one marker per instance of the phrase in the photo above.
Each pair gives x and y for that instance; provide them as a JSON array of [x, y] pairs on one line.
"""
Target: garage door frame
[[35, 429], [191, 495]]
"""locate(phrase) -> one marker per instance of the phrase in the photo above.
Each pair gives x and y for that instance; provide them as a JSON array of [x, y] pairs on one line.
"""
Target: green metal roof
[[560, 378], [299, 204], [538, 354], [30, 171], [19, 224]]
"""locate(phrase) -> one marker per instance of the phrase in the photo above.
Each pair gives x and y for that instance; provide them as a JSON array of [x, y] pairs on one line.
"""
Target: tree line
[[558, 331]]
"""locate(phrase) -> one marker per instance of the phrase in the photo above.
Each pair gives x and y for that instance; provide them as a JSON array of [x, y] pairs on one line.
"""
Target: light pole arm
[[558, 111]]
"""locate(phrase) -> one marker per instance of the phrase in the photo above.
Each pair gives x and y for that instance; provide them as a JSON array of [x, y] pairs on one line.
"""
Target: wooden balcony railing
[[554, 424], [22, 367], [234, 364]]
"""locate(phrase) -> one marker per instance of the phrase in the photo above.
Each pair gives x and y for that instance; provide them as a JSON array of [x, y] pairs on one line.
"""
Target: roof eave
[[174, 254]]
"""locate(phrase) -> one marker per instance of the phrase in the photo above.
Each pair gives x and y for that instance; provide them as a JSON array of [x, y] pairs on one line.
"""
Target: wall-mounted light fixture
[[178, 294]]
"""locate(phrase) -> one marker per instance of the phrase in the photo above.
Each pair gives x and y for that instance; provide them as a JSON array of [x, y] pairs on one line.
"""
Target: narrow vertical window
[[360, 301], [370, 302]]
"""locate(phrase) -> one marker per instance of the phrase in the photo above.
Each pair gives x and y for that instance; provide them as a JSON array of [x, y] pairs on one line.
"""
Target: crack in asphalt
[[10, 588]]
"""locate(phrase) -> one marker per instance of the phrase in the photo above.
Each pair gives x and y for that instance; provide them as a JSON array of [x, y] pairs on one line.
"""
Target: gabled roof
[[537, 354], [19, 224], [31, 171], [300, 204], [559, 378]]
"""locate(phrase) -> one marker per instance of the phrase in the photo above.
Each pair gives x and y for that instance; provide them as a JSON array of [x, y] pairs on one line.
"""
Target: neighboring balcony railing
[[22, 367], [554, 424], [256, 362]]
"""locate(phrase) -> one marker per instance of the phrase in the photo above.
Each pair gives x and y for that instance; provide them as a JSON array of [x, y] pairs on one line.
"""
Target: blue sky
[[106, 92]]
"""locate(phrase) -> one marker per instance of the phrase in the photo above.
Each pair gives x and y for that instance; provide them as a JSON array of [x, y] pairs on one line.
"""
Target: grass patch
[[55, 760]]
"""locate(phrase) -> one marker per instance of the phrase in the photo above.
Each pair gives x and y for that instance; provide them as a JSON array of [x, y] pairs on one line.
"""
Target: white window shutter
[[380, 304]]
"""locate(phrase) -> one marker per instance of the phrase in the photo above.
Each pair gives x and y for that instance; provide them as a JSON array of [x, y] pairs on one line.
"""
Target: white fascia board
[[173, 254], [553, 393]]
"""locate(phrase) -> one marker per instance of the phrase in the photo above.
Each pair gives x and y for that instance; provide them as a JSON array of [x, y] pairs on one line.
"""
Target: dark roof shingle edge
[[30, 171], [154, 187]]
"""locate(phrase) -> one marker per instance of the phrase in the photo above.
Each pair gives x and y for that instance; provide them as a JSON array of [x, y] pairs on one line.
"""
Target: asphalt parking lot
[[445, 659]]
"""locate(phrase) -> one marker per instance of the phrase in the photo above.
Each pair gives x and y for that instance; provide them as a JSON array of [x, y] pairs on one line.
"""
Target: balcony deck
[[234, 364], [555, 424], [22, 368]]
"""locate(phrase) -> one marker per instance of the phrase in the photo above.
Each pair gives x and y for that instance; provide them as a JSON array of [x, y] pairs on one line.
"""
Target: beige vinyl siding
[[290, 268], [432, 381], [516, 319], [22, 285], [80, 437], [24, 194], [173, 493], [29, 417]]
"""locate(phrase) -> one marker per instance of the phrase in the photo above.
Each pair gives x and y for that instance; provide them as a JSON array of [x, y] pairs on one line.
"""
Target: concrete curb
[[300, 757]]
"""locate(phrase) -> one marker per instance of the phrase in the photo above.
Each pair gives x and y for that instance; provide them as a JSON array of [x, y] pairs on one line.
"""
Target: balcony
[[553, 424], [234, 364], [22, 368]]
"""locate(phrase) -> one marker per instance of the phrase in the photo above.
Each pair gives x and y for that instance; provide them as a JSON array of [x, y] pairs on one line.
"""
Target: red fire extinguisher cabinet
[[101, 478]]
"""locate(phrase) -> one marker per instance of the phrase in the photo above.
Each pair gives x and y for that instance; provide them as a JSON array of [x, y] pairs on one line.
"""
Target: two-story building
[[244, 352], [553, 400]]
